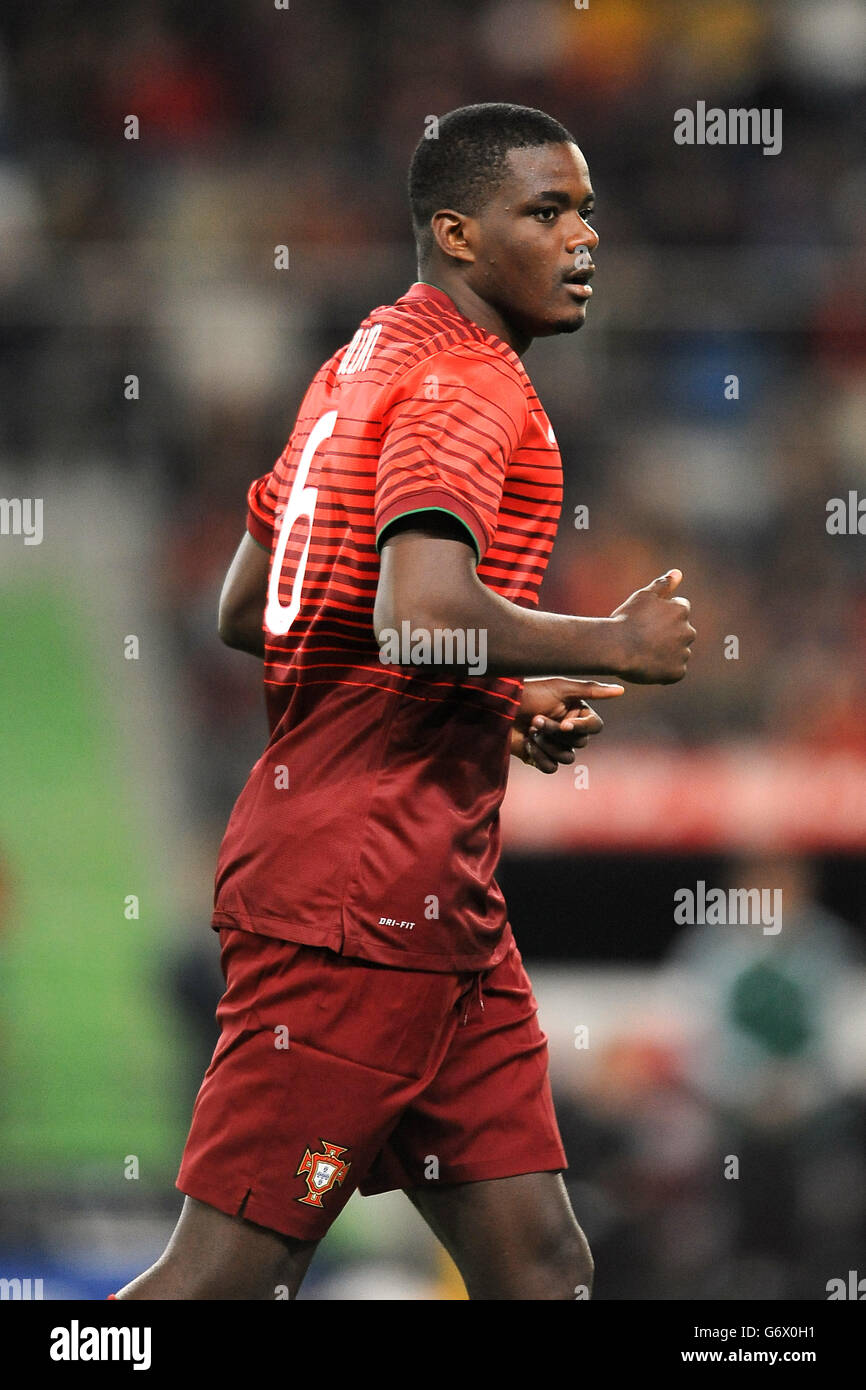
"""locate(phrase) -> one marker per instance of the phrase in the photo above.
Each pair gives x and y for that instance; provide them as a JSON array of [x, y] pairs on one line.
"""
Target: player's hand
[[554, 719], [655, 632]]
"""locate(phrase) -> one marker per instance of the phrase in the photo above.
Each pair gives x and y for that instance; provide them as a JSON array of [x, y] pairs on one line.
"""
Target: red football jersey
[[370, 824]]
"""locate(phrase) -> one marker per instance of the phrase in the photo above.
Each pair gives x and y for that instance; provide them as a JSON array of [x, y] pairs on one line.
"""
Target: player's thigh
[[215, 1256], [513, 1237]]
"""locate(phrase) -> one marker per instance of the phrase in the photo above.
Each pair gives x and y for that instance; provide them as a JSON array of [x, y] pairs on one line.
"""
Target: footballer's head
[[501, 202]]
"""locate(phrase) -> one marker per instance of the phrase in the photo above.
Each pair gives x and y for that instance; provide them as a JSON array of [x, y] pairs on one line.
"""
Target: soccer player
[[378, 1029]]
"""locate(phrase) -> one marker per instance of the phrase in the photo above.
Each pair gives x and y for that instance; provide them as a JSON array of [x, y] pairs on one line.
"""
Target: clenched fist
[[655, 633]]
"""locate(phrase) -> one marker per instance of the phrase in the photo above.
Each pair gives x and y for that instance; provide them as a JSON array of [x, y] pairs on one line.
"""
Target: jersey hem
[[348, 945], [268, 926]]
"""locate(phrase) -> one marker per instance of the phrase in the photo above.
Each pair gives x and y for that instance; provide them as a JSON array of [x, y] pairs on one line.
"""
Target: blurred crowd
[[722, 1157], [155, 257]]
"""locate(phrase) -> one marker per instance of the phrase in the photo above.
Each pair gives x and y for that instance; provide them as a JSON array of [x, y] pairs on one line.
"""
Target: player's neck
[[473, 307]]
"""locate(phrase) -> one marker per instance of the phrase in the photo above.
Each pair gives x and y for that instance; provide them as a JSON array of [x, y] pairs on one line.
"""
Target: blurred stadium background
[[673, 1047]]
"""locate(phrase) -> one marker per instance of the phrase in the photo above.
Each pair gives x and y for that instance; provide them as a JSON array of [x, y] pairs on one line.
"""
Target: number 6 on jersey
[[302, 502]]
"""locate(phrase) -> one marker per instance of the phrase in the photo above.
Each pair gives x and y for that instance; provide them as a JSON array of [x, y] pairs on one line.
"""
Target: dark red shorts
[[333, 1073]]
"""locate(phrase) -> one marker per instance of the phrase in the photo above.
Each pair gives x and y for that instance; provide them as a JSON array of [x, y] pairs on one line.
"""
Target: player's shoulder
[[422, 347], [427, 335]]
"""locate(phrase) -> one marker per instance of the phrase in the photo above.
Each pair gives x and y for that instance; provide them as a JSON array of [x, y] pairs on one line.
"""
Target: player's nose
[[583, 235]]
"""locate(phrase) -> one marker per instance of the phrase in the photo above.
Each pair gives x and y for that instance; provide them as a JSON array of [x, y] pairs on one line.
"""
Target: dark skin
[[553, 720], [514, 269], [507, 269]]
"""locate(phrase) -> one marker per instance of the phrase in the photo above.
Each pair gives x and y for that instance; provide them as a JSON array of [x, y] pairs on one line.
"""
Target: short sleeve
[[261, 509], [451, 424]]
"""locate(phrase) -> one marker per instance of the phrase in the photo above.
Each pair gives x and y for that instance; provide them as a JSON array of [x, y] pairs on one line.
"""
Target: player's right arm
[[242, 601], [427, 577], [245, 588]]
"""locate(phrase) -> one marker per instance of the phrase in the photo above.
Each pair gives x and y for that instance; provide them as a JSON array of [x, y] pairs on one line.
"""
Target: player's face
[[527, 240]]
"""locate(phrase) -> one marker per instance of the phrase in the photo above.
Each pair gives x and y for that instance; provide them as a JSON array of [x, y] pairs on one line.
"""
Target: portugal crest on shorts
[[323, 1170]]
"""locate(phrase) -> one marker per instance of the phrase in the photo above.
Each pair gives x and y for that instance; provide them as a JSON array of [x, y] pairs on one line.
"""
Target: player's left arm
[[243, 598], [554, 719]]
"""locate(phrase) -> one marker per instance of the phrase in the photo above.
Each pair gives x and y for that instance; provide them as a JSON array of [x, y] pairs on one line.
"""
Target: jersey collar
[[421, 290]]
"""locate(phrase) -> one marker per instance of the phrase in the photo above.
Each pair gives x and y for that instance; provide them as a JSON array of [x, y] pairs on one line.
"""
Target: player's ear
[[453, 234]]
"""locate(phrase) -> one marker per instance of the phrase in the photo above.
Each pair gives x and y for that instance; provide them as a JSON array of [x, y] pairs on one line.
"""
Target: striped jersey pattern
[[422, 409]]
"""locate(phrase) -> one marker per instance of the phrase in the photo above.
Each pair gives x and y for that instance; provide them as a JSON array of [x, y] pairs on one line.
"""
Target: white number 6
[[302, 502]]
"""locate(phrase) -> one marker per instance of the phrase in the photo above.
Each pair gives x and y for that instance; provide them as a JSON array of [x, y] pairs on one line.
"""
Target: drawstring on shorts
[[474, 985]]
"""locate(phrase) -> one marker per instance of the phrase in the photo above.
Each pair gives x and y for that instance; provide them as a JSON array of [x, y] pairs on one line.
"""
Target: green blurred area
[[86, 1048]]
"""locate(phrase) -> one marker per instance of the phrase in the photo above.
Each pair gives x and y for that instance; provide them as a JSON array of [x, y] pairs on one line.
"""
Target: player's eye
[[588, 215], [541, 213]]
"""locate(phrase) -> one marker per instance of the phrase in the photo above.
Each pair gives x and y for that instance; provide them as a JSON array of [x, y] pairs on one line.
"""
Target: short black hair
[[461, 162]]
